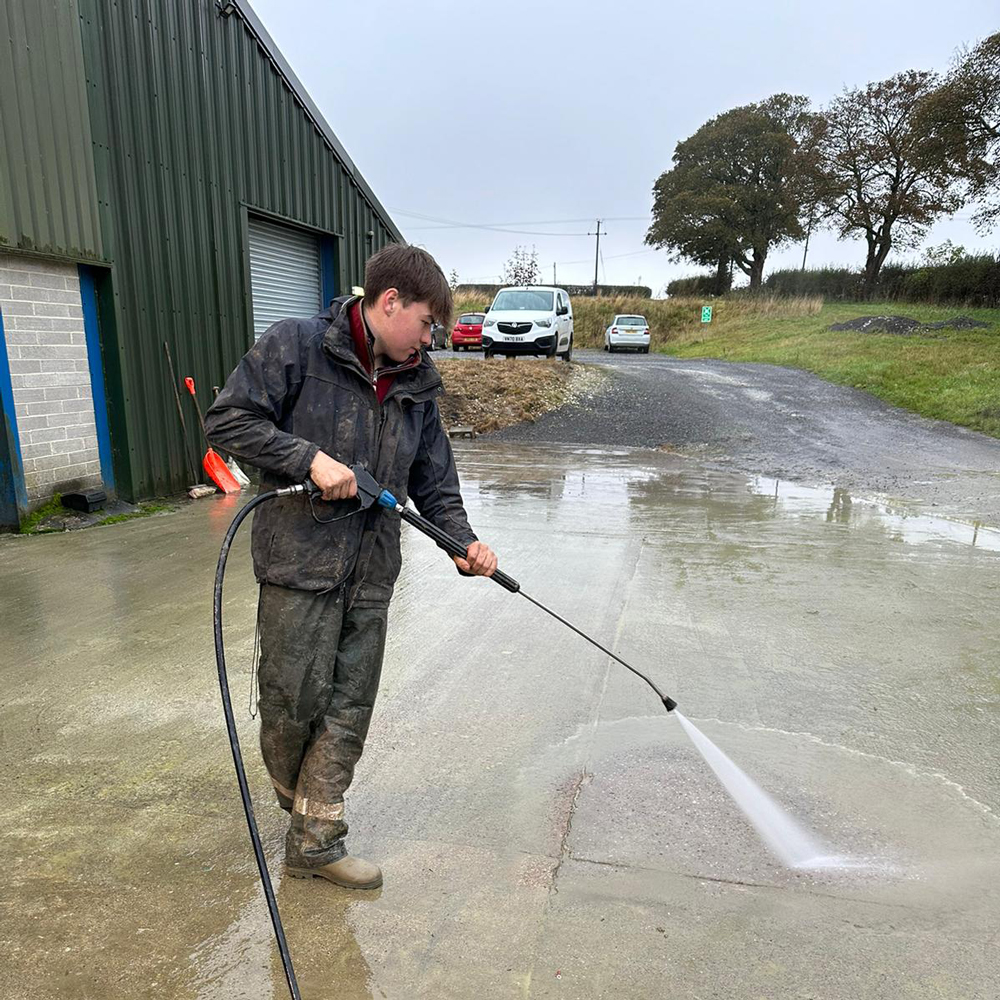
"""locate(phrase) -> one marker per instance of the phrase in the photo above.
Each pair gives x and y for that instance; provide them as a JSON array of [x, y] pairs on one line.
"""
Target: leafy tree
[[964, 114], [884, 179], [734, 191], [522, 267]]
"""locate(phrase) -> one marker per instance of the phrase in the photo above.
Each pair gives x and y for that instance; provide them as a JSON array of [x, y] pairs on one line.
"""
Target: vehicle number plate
[[510, 336]]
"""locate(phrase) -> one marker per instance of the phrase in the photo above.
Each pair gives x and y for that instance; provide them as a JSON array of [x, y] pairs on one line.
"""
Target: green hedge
[[972, 280], [698, 284]]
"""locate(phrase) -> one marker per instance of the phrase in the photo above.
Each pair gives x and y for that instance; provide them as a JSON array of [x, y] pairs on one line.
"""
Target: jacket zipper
[[356, 586], [378, 454]]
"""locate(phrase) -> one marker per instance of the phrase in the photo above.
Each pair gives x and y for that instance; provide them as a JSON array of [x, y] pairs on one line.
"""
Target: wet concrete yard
[[545, 830]]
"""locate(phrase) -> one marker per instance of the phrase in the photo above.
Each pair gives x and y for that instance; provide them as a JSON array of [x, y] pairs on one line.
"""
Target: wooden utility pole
[[805, 249], [597, 252]]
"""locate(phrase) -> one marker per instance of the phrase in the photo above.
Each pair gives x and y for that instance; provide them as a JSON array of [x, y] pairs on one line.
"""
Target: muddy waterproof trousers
[[320, 663]]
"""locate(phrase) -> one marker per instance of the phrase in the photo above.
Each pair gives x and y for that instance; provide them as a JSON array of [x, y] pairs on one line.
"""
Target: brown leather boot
[[349, 872]]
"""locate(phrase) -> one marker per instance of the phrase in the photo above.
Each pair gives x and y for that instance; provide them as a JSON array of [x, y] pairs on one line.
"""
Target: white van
[[532, 319]]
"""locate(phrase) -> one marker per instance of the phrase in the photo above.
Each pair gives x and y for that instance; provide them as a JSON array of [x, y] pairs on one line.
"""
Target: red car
[[468, 332]]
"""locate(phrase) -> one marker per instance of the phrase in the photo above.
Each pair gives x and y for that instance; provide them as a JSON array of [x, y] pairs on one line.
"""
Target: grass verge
[[667, 318]]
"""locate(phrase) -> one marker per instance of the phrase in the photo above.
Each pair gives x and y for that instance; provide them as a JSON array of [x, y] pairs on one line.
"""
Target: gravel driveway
[[779, 422]]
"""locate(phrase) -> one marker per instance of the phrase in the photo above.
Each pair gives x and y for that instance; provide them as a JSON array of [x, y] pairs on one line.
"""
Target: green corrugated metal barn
[[164, 180]]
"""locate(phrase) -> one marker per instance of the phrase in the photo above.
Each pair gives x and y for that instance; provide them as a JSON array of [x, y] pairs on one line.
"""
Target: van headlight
[[543, 322], [489, 322]]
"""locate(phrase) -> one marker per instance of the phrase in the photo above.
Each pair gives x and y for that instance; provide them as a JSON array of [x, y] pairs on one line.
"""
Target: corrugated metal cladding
[[285, 277], [48, 194], [196, 127]]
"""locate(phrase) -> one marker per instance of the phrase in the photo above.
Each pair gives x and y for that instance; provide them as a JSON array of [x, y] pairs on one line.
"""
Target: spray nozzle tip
[[668, 703]]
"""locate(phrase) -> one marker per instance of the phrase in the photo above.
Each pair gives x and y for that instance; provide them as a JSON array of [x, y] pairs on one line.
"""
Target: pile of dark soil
[[906, 325], [958, 323], [879, 324]]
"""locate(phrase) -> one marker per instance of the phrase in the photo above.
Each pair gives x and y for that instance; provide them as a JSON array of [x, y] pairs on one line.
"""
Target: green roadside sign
[[706, 314]]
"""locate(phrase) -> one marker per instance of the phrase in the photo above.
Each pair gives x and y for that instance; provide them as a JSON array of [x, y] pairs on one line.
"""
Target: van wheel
[[567, 355], [487, 353]]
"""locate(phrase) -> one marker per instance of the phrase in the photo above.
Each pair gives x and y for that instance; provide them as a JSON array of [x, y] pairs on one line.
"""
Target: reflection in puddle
[[603, 479], [838, 506]]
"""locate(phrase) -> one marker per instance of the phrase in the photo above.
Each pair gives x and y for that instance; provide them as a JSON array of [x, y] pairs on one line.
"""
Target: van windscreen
[[525, 300]]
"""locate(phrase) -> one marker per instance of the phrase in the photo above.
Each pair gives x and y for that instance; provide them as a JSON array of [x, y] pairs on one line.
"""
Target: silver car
[[627, 332], [439, 338]]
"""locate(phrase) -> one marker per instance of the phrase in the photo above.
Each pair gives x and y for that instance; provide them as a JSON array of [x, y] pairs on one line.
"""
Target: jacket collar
[[339, 344]]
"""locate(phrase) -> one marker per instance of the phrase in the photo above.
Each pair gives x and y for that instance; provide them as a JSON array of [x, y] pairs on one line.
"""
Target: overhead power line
[[453, 224], [615, 256], [503, 227]]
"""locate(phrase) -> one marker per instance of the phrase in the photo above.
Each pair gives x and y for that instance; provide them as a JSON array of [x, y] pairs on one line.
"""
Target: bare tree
[[521, 268], [884, 179]]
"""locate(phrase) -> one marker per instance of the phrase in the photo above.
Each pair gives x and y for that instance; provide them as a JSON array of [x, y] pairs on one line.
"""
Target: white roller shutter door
[[285, 276]]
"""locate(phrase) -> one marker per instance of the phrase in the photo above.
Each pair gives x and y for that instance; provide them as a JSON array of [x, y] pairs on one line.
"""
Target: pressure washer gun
[[370, 494]]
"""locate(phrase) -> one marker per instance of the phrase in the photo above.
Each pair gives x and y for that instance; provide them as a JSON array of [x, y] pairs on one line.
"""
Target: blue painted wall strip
[[13, 493], [88, 295]]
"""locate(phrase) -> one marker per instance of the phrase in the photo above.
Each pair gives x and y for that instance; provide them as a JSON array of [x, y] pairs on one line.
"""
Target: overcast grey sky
[[518, 113]]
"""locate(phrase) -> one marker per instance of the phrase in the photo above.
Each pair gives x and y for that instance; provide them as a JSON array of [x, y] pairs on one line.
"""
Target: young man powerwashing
[[312, 398]]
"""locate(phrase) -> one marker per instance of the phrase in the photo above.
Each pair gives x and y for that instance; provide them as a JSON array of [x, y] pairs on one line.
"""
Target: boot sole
[[312, 873]]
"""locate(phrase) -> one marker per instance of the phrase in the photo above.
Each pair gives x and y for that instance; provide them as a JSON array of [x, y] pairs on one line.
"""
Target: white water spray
[[794, 846]]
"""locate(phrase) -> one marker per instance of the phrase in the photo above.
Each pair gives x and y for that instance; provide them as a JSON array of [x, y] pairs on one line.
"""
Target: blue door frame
[[13, 495], [328, 269], [92, 331]]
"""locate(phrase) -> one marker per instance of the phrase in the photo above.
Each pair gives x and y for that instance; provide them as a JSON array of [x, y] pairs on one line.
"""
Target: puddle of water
[[602, 479], [837, 505]]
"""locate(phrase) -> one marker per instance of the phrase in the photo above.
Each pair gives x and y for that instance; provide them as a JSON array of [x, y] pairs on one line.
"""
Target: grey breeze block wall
[[50, 375]]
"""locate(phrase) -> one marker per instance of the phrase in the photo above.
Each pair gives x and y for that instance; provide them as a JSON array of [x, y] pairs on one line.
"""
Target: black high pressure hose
[[369, 493], [234, 742]]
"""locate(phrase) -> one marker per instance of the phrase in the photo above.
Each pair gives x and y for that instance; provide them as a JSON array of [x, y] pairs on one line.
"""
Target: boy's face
[[399, 329]]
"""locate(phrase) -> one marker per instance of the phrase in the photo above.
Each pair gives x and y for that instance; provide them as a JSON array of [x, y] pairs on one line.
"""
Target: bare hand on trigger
[[336, 481]]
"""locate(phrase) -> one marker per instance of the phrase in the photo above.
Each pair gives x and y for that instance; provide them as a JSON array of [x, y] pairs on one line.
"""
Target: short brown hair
[[414, 273]]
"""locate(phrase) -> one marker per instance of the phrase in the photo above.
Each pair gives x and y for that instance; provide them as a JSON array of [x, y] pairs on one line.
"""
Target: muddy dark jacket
[[301, 389]]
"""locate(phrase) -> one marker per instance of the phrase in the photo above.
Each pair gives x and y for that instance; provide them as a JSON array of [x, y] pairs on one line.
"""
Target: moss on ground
[[144, 510], [32, 524]]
